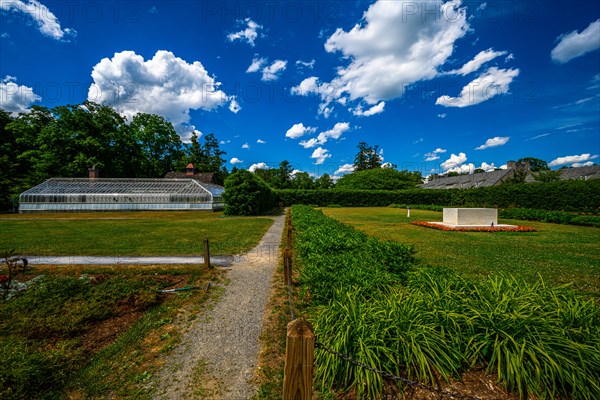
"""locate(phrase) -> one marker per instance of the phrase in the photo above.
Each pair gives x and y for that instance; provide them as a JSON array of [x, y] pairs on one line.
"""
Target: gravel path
[[220, 350]]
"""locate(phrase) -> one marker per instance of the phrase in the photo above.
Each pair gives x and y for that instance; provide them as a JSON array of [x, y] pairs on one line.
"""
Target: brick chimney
[[189, 170], [93, 173]]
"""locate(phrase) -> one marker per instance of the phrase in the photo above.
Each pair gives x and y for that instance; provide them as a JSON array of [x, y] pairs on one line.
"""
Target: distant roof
[[589, 172], [494, 178], [481, 179]]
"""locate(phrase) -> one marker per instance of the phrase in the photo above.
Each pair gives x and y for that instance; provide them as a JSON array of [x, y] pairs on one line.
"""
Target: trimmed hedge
[[579, 196]]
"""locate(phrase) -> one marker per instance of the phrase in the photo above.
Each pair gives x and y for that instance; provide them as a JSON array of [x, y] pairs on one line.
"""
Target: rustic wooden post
[[299, 355], [206, 254], [287, 266]]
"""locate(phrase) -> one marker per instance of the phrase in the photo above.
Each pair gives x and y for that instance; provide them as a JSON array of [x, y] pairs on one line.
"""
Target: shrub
[[247, 194], [374, 303], [378, 179]]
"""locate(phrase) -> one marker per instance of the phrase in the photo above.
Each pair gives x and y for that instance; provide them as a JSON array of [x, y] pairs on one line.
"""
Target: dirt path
[[219, 352]]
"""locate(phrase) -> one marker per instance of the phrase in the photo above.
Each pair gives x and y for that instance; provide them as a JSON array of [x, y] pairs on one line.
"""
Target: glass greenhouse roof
[[121, 194]]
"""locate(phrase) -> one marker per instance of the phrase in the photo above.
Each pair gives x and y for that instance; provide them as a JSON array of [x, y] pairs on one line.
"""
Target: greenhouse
[[121, 195]]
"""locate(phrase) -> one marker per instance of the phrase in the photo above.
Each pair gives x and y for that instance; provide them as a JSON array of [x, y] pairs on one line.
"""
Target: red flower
[[3, 278], [475, 229]]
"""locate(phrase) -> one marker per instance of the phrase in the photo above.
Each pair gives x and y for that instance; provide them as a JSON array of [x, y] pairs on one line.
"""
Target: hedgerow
[[384, 309], [577, 196]]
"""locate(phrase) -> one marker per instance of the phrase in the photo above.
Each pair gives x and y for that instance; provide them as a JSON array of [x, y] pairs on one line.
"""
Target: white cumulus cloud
[[481, 58], [585, 164], [344, 169], [234, 106], [434, 155], [299, 130], [491, 83], [273, 71], [335, 133], [47, 23], [320, 155], [249, 34], [16, 98], [572, 159], [376, 109], [454, 161], [256, 65], [574, 44], [236, 160], [260, 141], [395, 46], [260, 165], [494, 142], [305, 64], [165, 85], [245, 146]]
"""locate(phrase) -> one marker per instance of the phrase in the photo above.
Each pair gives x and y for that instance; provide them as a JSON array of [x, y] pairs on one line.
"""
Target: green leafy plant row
[[556, 217], [371, 300]]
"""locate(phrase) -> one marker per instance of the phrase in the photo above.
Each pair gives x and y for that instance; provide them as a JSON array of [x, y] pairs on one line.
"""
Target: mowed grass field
[[130, 233], [560, 254]]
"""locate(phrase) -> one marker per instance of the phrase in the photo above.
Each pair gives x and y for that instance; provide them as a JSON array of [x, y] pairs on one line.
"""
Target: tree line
[[65, 141]]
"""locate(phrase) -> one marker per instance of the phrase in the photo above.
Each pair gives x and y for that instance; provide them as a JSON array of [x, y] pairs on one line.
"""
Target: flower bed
[[474, 228]]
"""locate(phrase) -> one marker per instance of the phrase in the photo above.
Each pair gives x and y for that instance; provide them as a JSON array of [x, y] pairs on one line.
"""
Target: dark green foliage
[[556, 217], [574, 195], [379, 179], [427, 323], [535, 164], [367, 157], [208, 157], [247, 194]]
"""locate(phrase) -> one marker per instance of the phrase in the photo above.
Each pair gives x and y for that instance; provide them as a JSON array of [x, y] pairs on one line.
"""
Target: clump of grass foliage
[[39, 329], [371, 300]]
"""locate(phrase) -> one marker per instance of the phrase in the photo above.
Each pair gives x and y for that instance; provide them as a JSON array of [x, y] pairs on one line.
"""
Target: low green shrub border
[[575, 196], [371, 300]]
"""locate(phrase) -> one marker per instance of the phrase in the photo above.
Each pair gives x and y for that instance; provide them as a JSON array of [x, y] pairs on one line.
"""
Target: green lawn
[[559, 253], [130, 234]]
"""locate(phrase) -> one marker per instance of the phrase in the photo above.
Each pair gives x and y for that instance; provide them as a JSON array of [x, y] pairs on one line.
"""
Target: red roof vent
[[189, 170]]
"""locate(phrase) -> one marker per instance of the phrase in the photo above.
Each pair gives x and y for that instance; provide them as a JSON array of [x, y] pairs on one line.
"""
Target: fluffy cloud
[[454, 161], [575, 44], [344, 169], [334, 133], [299, 130], [442, 115], [397, 43], [257, 64], [234, 106], [248, 34], [494, 142], [236, 160], [260, 141], [245, 146], [480, 59], [376, 109], [273, 71], [585, 164], [165, 85], [43, 18], [260, 165], [305, 64], [434, 155], [492, 83], [320, 154], [572, 160], [470, 168], [16, 98]]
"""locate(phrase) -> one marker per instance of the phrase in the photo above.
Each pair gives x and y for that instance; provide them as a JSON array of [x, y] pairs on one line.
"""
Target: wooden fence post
[[287, 266], [206, 254], [299, 355]]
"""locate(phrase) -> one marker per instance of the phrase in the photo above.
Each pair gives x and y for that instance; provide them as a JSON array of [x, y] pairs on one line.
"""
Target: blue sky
[[438, 85]]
